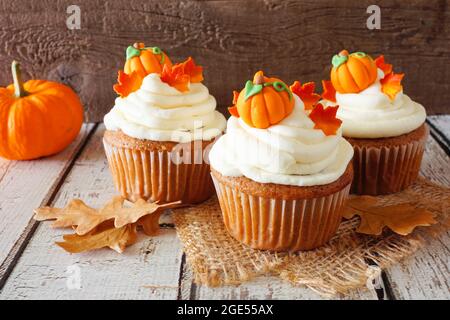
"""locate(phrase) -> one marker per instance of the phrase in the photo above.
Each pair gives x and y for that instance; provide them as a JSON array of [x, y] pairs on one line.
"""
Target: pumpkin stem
[[259, 78], [344, 53], [19, 90], [138, 45]]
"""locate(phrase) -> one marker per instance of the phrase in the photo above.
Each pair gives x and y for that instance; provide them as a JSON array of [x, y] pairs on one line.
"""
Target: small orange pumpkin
[[37, 118], [352, 73], [145, 60], [263, 102]]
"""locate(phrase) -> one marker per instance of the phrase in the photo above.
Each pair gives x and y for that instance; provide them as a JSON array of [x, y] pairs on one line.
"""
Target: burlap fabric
[[336, 268]]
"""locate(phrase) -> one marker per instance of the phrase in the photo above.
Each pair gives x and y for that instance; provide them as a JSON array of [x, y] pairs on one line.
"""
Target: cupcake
[[282, 172], [385, 127], [161, 128]]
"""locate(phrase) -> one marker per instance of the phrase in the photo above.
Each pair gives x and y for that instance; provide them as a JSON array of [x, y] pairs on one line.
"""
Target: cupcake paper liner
[[152, 175], [387, 169], [279, 224]]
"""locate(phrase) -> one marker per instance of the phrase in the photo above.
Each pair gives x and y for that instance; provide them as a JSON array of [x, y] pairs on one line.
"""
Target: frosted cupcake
[[386, 128], [281, 172], [160, 129]]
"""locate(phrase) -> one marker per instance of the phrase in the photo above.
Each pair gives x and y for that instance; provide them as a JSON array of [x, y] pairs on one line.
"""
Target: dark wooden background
[[231, 39]]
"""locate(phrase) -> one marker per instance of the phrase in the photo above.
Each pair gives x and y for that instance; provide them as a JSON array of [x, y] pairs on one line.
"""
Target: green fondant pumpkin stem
[[19, 90]]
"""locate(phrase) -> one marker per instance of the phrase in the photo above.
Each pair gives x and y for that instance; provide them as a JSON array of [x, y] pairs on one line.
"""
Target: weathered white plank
[[270, 288], [426, 275], [25, 185], [147, 270], [441, 123]]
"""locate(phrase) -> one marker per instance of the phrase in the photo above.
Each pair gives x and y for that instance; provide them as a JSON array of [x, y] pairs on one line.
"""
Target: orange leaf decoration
[[381, 64], [235, 96], [400, 218], [194, 71], [233, 110], [329, 92], [306, 93], [179, 75], [175, 77], [391, 84], [127, 84], [325, 119]]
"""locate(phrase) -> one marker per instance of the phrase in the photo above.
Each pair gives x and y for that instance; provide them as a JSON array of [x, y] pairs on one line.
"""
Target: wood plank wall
[[230, 38]]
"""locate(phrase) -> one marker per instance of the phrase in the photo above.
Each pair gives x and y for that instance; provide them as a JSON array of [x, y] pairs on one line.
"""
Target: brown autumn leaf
[[400, 218], [84, 218], [115, 238]]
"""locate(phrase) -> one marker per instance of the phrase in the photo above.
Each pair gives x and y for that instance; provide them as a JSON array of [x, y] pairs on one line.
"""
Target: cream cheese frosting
[[371, 114], [291, 152], [159, 112]]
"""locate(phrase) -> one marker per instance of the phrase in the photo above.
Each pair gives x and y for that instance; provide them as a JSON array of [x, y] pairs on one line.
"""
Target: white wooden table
[[32, 267]]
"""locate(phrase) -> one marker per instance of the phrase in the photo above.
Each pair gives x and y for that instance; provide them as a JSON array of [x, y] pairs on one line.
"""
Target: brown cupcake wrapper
[[152, 175], [280, 224], [386, 169]]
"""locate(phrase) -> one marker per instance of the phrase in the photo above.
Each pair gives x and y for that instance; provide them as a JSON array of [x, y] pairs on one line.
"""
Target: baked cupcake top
[[370, 97], [163, 102], [278, 134]]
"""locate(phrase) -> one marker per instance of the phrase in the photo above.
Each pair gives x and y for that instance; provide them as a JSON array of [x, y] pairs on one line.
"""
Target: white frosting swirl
[[291, 152], [159, 112], [371, 114]]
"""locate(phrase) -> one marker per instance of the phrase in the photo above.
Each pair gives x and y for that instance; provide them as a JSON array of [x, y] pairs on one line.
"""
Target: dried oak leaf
[[127, 84], [329, 92], [84, 218], [400, 218], [306, 93], [325, 119], [108, 236]]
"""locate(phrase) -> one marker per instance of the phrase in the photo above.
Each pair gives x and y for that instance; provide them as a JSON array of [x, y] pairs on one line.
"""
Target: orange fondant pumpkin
[[352, 73], [263, 102], [145, 60], [37, 118]]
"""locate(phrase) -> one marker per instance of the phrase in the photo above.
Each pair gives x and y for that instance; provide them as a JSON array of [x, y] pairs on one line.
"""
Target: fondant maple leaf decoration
[[233, 110], [381, 64], [400, 218], [329, 92], [194, 71], [180, 74], [325, 119], [306, 93], [175, 77], [127, 83], [391, 84]]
